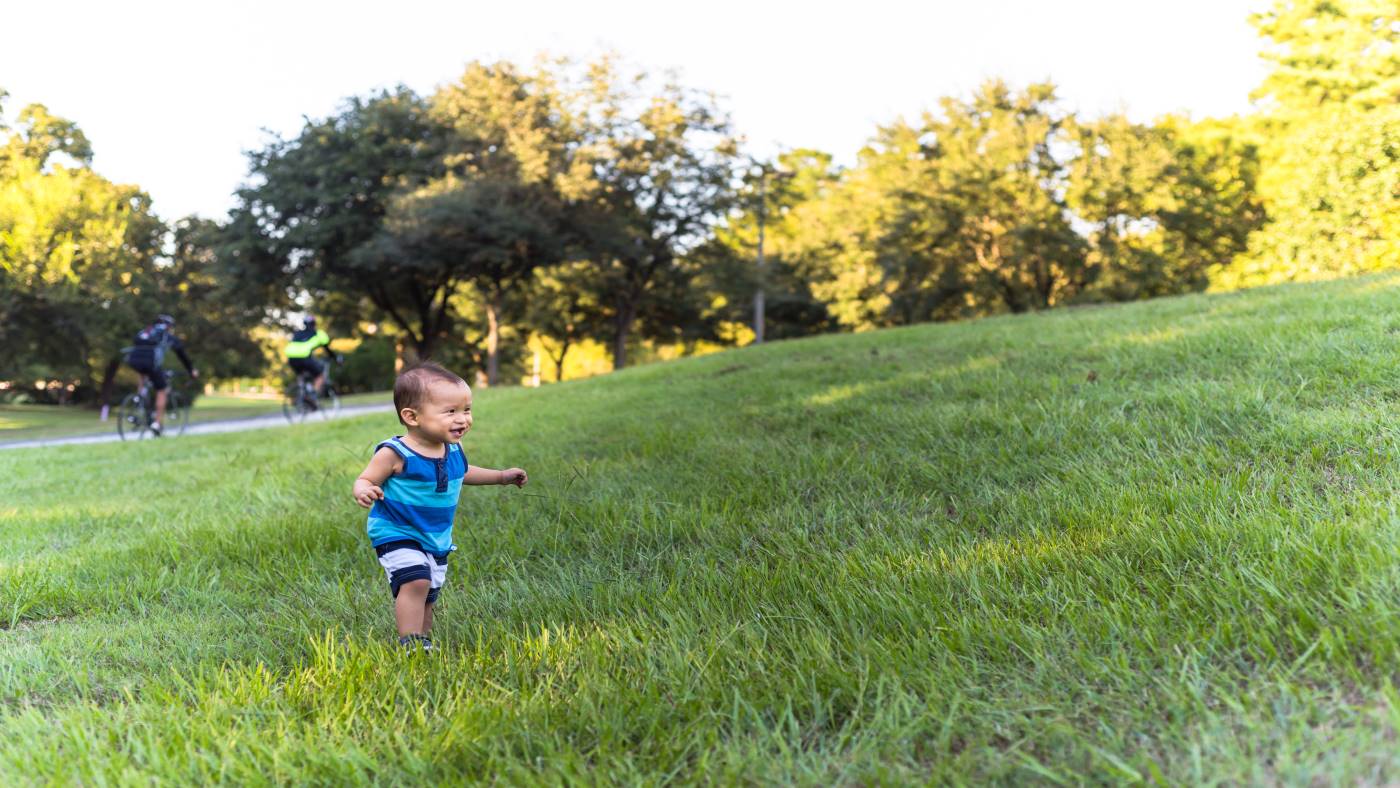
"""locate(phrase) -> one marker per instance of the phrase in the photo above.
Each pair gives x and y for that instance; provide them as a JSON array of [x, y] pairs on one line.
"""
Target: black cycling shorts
[[306, 366], [156, 374]]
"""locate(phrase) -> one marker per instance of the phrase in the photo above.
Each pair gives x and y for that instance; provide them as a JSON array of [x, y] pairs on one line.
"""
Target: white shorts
[[406, 561]]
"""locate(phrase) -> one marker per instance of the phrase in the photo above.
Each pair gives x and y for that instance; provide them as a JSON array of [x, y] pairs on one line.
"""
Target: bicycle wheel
[[177, 415], [293, 405], [133, 418], [328, 404]]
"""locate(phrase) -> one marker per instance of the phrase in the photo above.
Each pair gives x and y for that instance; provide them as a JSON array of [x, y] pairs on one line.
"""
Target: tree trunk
[[410, 350], [405, 354], [493, 335], [622, 326], [559, 361], [109, 378]]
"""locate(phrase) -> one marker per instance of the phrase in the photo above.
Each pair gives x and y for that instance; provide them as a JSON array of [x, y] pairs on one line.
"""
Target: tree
[[1333, 195], [1330, 52], [564, 309], [216, 316], [78, 256], [1168, 204], [454, 231], [1215, 205], [840, 248], [314, 199], [84, 263], [38, 137], [495, 214], [504, 216], [961, 214], [996, 160], [1117, 182], [660, 168], [795, 178], [1329, 166]]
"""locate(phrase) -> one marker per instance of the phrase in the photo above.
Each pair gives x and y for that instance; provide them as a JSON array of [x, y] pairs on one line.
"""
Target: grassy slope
[[33, 422], [928, 553]]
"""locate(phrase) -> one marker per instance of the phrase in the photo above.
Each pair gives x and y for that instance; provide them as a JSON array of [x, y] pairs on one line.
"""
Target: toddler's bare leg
[[410, 607], [427, 617]]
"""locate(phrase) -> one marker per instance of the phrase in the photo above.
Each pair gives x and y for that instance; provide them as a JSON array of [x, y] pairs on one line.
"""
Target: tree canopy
[[85, 262], [569, 205]]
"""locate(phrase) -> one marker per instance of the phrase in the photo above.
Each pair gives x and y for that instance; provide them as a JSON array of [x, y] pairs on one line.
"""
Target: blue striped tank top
[[419, 501]]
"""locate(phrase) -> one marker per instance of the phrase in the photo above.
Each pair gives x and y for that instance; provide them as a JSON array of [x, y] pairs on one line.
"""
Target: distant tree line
[[85, 262], [553, 200], [576, 203]]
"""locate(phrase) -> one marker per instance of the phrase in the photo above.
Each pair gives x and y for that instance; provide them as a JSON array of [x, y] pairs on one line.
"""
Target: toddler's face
[[445, 414]]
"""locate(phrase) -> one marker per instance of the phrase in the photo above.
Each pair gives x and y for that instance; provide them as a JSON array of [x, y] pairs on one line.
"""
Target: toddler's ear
[[409, 416]]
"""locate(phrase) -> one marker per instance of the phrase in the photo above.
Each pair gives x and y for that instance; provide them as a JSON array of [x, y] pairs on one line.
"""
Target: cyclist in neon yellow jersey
[[299, 352]]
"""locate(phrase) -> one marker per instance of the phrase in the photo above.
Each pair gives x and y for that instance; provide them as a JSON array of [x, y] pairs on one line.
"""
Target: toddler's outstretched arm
[[478, 475], [368, 486]]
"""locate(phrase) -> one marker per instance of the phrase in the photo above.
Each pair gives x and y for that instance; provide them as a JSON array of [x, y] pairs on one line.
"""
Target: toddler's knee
[[412, 588]]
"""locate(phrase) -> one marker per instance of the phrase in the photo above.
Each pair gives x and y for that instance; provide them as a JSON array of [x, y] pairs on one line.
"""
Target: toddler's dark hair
[[412, 384]]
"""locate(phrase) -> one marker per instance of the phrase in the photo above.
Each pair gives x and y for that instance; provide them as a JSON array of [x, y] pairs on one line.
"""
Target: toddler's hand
[[515, 476], [367, 494]]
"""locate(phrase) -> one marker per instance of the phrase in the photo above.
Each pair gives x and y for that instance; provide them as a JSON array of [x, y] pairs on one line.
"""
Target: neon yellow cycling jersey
[[304, 343]]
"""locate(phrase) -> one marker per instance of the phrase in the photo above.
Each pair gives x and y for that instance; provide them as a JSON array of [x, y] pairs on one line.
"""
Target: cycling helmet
[[309, 323], [166, 319]]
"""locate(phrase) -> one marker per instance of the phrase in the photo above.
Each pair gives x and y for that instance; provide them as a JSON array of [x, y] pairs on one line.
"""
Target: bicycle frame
[[138, 410]]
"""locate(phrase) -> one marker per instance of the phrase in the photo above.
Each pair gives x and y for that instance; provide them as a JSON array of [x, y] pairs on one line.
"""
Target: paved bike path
[[201, 428]]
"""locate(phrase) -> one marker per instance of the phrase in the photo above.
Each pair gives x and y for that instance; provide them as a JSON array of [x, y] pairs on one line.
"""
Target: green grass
[[1132, 543], [36, 422]]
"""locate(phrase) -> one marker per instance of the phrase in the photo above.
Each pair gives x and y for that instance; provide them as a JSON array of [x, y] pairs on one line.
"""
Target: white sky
[[171, 93]]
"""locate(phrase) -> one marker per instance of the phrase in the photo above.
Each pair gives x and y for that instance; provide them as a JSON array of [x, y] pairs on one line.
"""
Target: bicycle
[[137, 412], [300, 399]]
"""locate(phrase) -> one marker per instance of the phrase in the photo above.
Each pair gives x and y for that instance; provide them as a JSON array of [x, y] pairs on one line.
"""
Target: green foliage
[[1169, 204], [948, 555], [77, 265], [38, 137], [1331, 171], [1006, 203], [961, 214], [565, 203], [369, 367], [407, 202], [998, 201], [314, 199], [795, 178], [83, 265], [564, 308], [1334, 191], [1330, 53], [217, 318], [661, 163], [497, 215]]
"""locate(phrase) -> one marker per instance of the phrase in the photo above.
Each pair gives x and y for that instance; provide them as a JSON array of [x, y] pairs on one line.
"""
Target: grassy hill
[[1155, 541]]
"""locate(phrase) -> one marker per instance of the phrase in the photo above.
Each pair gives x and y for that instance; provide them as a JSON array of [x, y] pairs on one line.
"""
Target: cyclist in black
[[148, 354], [300, 352]]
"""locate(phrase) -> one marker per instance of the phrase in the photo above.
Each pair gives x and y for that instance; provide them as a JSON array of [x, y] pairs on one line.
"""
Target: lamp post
[[765, 169], [758, 305]]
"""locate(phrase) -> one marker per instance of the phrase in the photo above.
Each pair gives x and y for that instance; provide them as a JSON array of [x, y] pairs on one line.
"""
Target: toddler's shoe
[[411, 642]]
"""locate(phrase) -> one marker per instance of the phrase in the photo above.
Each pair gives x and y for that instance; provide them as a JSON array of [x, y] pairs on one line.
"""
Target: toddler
[[411, 486]]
